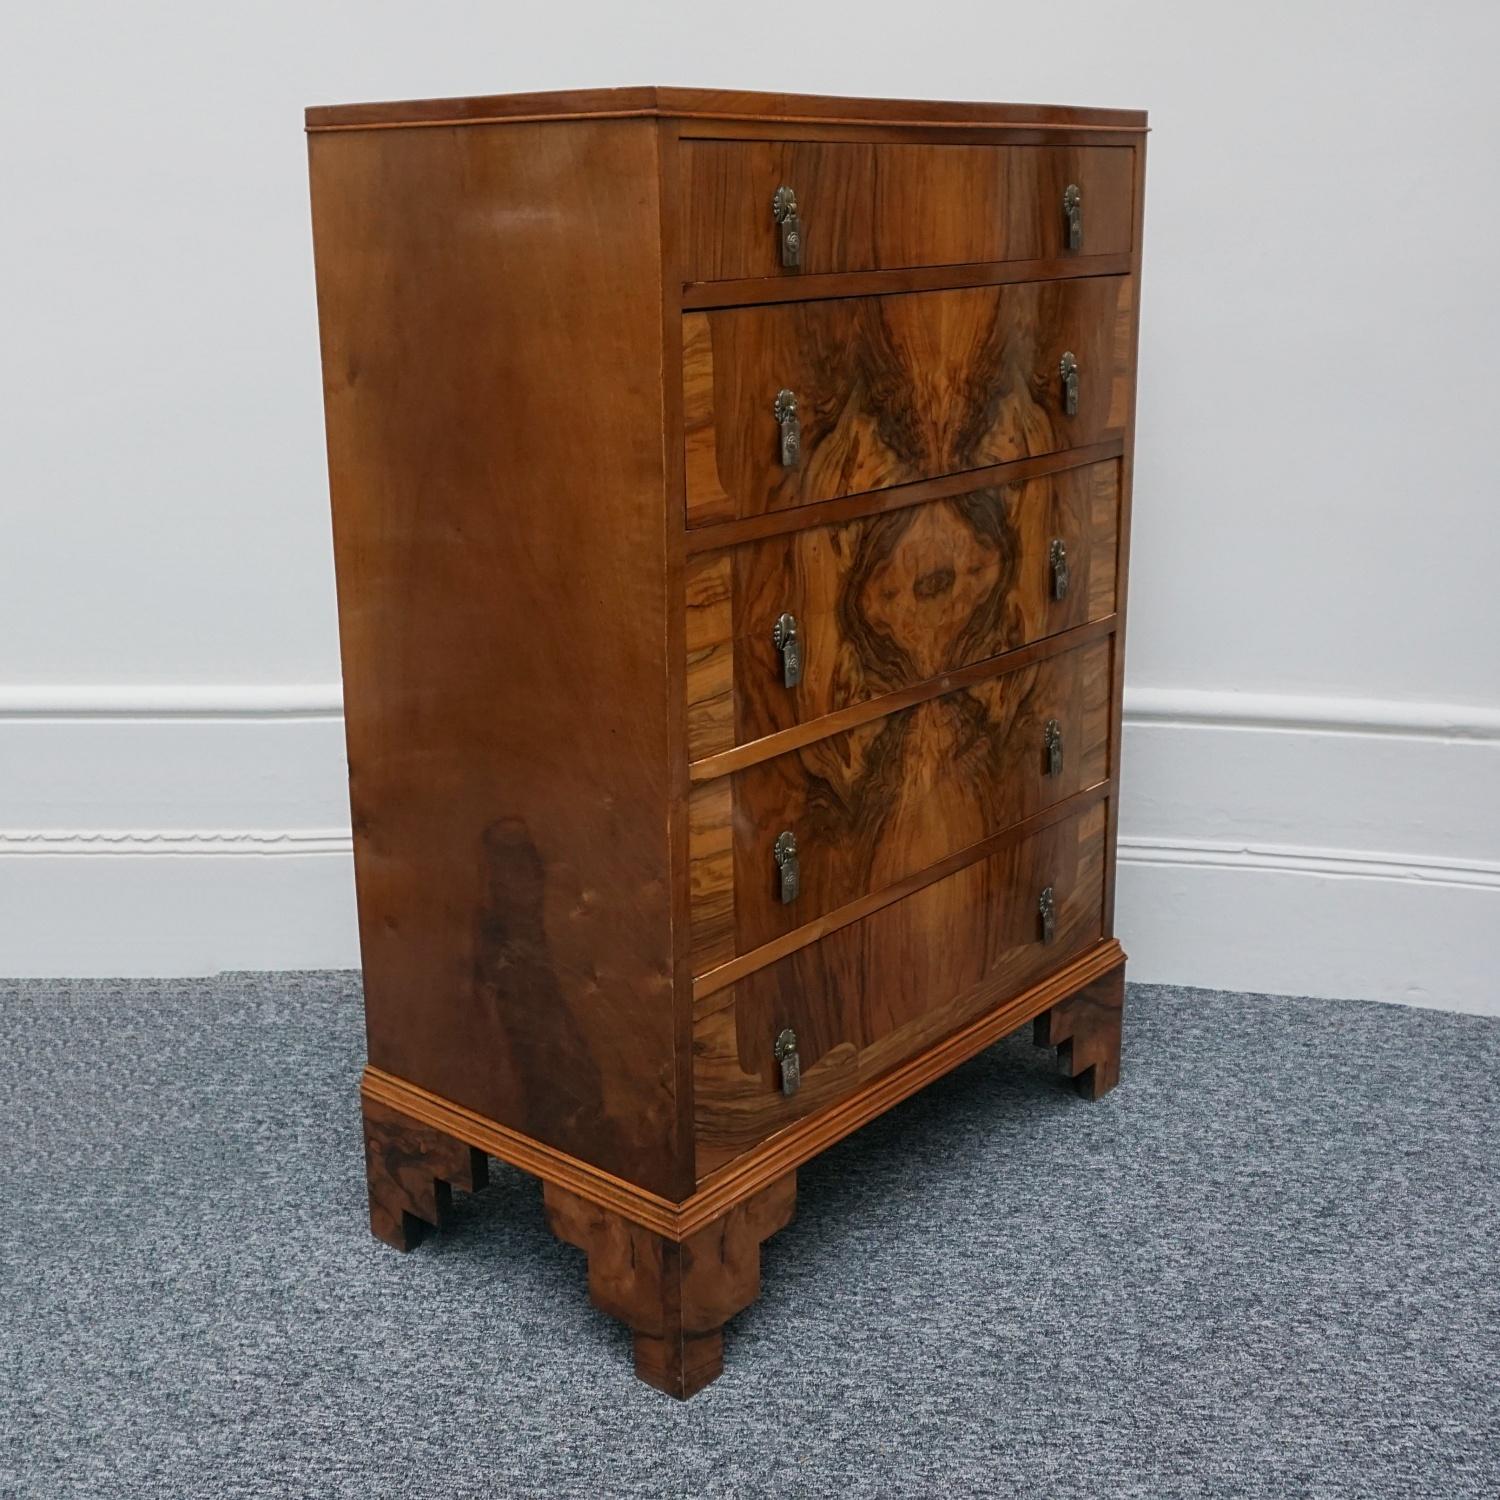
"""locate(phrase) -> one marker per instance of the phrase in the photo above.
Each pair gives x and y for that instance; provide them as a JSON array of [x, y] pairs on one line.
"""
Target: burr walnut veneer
[[731, 500]]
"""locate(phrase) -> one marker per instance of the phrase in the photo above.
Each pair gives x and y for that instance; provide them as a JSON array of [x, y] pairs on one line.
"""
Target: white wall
[[1314, 741]]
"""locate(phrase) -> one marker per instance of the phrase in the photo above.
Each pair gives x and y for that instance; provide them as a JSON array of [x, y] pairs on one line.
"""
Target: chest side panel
[[491, 321]]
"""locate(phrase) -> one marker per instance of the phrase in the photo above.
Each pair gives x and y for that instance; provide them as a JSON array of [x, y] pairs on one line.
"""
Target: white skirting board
[[1291, 845]]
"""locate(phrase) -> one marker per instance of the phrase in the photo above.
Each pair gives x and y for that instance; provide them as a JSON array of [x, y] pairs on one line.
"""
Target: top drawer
[[866, 207]]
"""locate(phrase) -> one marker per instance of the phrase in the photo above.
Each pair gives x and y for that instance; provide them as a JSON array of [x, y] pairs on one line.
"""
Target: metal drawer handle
[[786, 640], [791, 1063], [1069, 371], [1073, 214], [789, 876], [1052, 743], [1057, 555], [785, 411], [784, 211], [1046, 905]]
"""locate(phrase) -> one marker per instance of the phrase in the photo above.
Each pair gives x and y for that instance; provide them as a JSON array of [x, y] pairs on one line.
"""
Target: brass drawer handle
[[789, 876], [1057, 555], [785, 411], [1073, 214], [784, 211], [1069, 371], [785, 638], [790, 1062], [1046, 906], [1052, 743]]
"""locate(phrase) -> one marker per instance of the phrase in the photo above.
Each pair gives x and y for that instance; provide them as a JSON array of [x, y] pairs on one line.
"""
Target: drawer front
[[890, 600], [866, 207], [895, 389], [871, 995], [891, 798]]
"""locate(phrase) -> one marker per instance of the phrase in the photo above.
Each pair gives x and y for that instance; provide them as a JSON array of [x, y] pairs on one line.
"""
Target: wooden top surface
[[727, 104]]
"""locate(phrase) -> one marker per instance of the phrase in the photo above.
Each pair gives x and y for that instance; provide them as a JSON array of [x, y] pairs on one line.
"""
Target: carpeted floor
[[1268, 1264]]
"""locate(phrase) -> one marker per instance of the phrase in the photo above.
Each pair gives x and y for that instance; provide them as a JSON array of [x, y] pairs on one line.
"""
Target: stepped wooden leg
[[675, 1297], [412, 1170], [1085, 1029]]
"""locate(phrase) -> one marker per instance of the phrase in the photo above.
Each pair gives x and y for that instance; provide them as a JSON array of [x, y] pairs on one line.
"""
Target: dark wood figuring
[[867, 206], [749, 104], [896, 388], [875, 804], [892, 599], [853, 999], [411, 1171], [1085, 1028], [506, 686], [675, 1295]]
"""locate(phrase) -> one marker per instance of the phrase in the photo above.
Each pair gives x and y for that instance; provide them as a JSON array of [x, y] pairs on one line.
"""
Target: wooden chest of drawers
[[731, 501]]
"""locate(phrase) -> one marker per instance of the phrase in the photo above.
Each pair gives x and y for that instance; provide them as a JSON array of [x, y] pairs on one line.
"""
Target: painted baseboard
[[1293, 845]]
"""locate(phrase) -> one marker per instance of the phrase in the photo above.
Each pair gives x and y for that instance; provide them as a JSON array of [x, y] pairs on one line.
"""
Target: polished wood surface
[[675, 1295], [892, 599], [566, 104], [897, 388], [852, 999], [411, 1171], [784, 1152], [551, 341], [505, 681], [873, 805], [867, 206], [1085, 1029]]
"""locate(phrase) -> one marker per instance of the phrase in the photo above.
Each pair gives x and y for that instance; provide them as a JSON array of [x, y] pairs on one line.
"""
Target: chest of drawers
[[731, 498]]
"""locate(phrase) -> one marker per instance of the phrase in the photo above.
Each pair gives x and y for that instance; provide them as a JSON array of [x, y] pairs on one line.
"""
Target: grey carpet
[[1266, 1265]]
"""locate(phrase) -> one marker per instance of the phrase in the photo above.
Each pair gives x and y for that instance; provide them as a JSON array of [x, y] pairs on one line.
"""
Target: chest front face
[[955, 344]]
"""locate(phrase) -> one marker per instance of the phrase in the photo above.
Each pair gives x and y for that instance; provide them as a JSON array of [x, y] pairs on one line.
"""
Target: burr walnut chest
[[731, 500]]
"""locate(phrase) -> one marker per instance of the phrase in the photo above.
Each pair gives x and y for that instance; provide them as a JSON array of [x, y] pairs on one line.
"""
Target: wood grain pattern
[[782, 1153], [897, 388], [892, 599], [675, 1295], [411, 1171], [560, 552], [1085, 1028], [872, 994], [506, 683], [882, 207], [568, 104], [872, 806], [708, 988]]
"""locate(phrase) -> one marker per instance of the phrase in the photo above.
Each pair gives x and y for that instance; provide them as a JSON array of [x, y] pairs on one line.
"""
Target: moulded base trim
[[783, 1152]]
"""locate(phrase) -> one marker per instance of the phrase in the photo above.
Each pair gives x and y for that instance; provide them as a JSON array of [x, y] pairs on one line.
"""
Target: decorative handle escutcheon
[[784, 211], [1069, 371], [1052, 741], [786, 640], [789, 876], [1046, 906], [791, 1063], [791, 428], [1073, 213], [1058, 556]]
